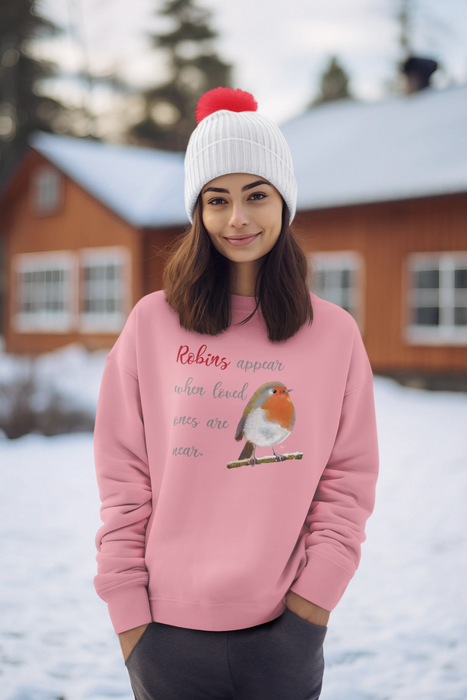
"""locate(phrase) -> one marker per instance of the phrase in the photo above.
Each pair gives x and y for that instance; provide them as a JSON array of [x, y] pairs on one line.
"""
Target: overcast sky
[[278, 47]]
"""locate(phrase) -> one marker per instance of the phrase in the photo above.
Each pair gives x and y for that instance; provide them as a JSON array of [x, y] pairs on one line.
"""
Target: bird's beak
[[287, 390]]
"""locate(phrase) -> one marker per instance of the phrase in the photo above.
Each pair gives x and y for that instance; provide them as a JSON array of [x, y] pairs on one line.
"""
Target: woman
[[223, 549]]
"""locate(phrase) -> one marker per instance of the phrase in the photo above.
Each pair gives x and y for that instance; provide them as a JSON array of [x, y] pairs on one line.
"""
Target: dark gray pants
[[278, 660]]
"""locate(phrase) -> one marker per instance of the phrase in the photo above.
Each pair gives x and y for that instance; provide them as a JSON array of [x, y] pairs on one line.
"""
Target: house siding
[[82, 222], [384, 234], [156, 245]]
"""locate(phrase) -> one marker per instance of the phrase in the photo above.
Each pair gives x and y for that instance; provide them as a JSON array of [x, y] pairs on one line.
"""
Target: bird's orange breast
[[279, 409]]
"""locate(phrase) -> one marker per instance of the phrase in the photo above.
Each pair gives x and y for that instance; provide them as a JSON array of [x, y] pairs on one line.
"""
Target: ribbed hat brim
[[238, 142]]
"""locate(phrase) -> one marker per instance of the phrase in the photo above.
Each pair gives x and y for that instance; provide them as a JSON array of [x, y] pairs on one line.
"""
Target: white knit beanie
[[232, 138]]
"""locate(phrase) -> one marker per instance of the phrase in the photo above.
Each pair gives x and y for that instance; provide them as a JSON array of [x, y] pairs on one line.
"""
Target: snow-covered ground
[[399, 632]]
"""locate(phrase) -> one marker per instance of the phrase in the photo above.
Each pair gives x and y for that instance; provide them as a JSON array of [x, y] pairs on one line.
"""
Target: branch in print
[[263, 460]]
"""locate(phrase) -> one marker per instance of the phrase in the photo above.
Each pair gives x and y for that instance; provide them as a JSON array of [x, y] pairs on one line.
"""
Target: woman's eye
[[258, 195], [217, 200]]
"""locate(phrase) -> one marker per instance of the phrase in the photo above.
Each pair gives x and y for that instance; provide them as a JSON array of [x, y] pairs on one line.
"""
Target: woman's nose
[[238, 218]]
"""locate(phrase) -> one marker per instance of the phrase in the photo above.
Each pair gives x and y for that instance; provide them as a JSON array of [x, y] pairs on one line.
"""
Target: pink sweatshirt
[[190, 539]]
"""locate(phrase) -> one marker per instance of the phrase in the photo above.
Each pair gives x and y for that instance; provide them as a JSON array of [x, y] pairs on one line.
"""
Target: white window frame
[[45, 321], [90, 322], [446, 333], [46, 190], [338, 260]]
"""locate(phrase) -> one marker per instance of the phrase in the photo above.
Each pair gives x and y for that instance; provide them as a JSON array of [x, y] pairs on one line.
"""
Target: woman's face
[[242, 215]]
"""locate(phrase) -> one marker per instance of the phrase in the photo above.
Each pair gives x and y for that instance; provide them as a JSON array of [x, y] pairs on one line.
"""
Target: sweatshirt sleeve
[[124, 486], [345, 496]]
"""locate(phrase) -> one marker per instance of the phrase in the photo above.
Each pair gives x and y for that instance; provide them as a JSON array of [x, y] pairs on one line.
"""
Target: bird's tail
[[247, 451]]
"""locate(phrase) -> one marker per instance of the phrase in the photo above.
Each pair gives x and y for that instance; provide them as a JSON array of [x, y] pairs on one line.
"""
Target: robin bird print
[[267, 420]]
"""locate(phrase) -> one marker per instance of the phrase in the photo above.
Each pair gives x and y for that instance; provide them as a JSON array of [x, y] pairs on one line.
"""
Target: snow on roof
[[145, 186], [350, 152], [344, 152]]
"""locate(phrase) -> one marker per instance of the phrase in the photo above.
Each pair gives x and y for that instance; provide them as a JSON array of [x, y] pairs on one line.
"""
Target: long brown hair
[[197, 280]]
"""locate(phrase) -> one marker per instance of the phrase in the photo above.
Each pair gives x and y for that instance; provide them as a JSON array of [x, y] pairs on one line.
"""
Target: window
[[338, 277], [437, 298], [104, 289], [44, 291], [46, 190], [46, 295]]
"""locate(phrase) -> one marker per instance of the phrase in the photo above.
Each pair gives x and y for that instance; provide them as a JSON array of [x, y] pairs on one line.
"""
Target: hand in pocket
[[130, 638], [307, 610]]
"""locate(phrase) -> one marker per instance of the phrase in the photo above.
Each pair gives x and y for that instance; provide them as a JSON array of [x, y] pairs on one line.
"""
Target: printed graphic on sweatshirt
[[267, 420]]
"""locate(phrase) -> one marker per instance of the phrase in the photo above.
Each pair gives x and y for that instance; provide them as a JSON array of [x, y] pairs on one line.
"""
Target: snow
[[399, 632], [144, 185], [350, 152], [70, 373]]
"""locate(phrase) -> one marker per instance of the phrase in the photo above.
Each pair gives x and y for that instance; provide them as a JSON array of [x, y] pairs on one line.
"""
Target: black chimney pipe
[[418, 71]]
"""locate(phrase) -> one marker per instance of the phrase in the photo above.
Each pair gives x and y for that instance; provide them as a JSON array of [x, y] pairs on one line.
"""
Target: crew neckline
[[241, 303]]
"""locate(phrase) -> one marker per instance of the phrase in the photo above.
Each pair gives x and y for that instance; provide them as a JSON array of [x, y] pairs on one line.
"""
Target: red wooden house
[[382, 212], [383, 209], [79, 222]]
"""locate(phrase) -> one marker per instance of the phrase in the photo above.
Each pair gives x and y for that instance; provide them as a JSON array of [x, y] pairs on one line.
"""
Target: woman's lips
[[243, 240]]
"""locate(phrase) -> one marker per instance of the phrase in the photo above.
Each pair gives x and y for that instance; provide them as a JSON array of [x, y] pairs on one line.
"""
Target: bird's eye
[[274, 391]]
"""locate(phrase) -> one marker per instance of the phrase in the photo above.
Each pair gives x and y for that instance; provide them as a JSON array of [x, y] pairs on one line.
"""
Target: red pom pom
[[224, 98]]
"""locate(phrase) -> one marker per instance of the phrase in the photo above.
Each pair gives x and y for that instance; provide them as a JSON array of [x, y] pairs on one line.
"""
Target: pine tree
[[22, 108], [334, 84], [195, 67]]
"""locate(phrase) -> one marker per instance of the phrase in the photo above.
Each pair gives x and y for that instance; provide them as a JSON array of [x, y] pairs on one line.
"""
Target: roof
[[350, 152], [344, 152], [143, 185]]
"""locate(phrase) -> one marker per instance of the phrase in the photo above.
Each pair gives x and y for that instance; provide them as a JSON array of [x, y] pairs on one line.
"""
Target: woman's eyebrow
[[254, 184], [247, 187], [215, 189]]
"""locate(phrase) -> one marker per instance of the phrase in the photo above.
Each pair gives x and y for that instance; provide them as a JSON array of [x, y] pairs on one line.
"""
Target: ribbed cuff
[[322, 582], [128, 607]]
